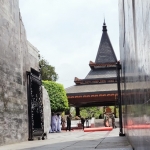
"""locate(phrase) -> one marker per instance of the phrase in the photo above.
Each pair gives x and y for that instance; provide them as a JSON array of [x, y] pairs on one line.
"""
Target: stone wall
[[134, 23], [17, 56], [47, 111]]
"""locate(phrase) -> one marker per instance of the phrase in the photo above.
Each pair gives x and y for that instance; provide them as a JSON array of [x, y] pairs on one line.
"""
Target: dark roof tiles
[[91, 88], [105, 52], [101, 74], [105, 88]]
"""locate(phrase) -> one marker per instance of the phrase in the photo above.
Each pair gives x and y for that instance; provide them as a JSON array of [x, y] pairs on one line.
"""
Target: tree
[[57, 95], [90, 111], [47, 71]]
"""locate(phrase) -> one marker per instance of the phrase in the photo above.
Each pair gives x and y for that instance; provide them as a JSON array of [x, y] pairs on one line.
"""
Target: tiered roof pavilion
[[99, 87]]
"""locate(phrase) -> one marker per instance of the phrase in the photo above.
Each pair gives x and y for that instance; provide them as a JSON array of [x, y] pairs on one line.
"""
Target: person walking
[[68, 122]]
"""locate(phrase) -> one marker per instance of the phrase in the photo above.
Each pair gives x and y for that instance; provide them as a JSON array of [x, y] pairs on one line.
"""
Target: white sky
[[67, 32]]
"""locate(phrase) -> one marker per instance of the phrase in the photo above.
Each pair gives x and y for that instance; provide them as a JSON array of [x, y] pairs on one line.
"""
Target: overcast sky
[[67, 32]]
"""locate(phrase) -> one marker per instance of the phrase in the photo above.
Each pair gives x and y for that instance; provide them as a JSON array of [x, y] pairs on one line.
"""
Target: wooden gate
[[35, 104]]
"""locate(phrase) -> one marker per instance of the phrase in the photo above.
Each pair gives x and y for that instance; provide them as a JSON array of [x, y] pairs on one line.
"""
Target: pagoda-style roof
[[101, 79], [105, 94], [91, 88], [105, 52]]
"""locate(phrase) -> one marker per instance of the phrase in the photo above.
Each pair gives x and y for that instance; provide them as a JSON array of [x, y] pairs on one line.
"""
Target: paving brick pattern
[[76, 140]]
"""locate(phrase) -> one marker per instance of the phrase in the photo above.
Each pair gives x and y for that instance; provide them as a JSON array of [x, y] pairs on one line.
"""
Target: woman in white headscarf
[[58, 123], [54, 123]]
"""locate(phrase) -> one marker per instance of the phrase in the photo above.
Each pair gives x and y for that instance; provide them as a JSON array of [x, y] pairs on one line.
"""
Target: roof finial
[[104, 26], [104, 21]]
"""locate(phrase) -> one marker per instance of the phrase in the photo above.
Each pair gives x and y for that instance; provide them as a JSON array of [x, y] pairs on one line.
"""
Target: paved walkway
[[75, 140]]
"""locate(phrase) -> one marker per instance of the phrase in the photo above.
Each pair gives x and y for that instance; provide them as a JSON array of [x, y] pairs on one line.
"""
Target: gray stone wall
[[17, 56], [134, 22], [32, 57]]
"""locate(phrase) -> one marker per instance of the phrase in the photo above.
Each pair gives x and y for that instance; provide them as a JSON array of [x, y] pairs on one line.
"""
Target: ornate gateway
[[35, 105]]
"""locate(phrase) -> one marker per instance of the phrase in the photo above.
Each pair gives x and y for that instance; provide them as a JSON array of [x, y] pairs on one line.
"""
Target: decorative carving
[[91, 63], [76, 79], [93, 95], [95, 81], [102, 81], [102, 64], [36, 104]]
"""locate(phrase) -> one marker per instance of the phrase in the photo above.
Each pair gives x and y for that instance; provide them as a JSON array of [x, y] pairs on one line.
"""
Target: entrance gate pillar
[[77, 111]]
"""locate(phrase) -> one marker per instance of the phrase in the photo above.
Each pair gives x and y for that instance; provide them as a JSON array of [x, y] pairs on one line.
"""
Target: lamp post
[[118, 66]]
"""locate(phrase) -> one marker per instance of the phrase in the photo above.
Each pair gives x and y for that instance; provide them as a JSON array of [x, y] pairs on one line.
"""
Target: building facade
[[134, 23], [17, 56]]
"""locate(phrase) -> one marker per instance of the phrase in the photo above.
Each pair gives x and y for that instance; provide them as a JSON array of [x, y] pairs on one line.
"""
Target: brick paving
[[75, 140]]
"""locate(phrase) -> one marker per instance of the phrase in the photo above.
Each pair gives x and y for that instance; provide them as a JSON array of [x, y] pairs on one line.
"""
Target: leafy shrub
[[57, 95]]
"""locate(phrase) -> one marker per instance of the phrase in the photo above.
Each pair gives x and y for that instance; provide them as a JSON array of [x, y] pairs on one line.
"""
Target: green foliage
[[90, 111], [47, 71], [138, 110], [57, 95], [73, 111], [96, 111], [117, 112]]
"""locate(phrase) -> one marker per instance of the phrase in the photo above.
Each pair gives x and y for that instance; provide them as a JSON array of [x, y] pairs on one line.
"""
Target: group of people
[[69, 122], [55, 122], [58, 122], [106, 120]]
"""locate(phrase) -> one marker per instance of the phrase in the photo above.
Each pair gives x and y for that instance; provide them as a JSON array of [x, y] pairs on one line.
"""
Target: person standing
[[113, 120], [100, 116], [68, 122], [104, 119], [53, 122], [58, 123], [63, 121], [82, 122], [107, 120], [87, 122]]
